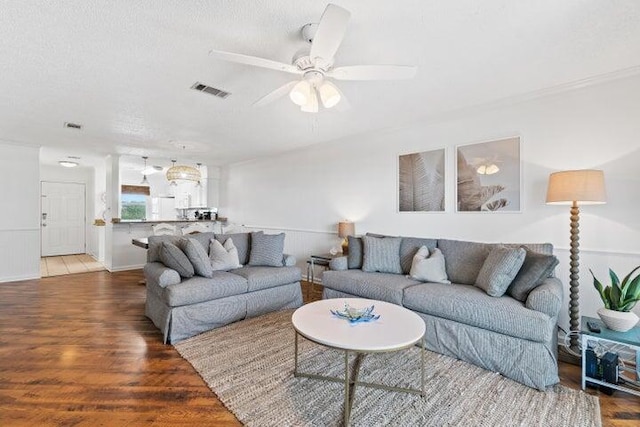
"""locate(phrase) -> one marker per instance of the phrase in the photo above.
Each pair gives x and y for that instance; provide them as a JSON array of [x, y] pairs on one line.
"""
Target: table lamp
[[575, 187], [346, 228]]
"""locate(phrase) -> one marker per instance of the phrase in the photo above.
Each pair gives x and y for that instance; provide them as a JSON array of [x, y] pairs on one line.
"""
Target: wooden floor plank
[[78, 350], [74, 264], [43, 268], [56, 266], [68, 264]]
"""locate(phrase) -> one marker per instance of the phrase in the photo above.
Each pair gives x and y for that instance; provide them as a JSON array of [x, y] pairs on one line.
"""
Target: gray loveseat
[[183, 307], [517, 338]]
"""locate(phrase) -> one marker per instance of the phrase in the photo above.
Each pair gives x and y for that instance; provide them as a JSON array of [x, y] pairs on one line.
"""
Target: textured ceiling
[[123, 69]]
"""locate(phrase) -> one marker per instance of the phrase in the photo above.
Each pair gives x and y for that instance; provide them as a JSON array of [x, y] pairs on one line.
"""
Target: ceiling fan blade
[[276, 94], [373, 72], [330, 33], [255, 61]]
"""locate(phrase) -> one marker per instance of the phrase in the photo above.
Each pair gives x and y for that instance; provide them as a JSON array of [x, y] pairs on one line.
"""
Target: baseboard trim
[[19, 278], [125, 268]]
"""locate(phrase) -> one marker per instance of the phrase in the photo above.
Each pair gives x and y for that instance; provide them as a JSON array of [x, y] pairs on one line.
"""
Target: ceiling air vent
[[210, 90], [72, 125]]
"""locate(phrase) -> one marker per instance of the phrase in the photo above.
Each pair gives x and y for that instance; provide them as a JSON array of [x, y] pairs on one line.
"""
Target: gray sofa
[[516, 338], [183, 307]]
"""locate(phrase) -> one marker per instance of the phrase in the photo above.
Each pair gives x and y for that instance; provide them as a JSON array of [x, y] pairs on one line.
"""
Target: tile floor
[[68, 264]]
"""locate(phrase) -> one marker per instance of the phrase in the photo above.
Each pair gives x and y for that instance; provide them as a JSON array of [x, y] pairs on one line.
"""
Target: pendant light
[[199, 184], [145, 181], [182, 172], [173, 181]]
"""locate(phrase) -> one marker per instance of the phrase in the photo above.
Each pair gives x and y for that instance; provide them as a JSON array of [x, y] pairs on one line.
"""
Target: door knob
[[44, 225]]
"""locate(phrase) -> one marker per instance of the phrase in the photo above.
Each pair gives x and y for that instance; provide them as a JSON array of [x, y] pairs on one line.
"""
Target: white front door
[[63, 218]]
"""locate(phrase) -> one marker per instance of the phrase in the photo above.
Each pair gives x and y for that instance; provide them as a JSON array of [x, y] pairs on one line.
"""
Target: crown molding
[[529, 96]]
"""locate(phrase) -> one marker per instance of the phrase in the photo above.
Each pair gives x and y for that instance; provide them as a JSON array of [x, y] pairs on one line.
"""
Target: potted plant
[[619, 299]]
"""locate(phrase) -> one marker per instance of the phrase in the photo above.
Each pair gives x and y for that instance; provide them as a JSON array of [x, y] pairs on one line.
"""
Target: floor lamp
[[575, 187]]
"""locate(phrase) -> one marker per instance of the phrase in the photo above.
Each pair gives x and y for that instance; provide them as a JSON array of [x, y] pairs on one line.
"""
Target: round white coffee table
[[396, 329]]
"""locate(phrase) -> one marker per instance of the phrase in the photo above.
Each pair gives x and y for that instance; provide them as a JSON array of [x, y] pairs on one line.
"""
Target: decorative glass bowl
[[355, 315]]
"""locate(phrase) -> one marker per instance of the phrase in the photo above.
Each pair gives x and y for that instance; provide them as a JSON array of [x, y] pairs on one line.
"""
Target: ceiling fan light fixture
[[300, 93], [329, 94], [312, 105]]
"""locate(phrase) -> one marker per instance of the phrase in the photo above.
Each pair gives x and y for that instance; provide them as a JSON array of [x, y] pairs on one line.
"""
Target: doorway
[[63, 220]]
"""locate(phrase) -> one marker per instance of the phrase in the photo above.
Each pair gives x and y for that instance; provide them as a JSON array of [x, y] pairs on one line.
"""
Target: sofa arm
[[547, 298], [158, 274], [288, 260], [339, 263]]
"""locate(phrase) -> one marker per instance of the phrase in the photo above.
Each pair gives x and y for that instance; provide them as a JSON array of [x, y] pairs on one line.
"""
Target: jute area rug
[[249, 366]]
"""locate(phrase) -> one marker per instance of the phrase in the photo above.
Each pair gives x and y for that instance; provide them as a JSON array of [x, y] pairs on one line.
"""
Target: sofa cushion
[[381, 286], [354, 257], [261, 277], [381, 254], [409, 247], [547, 297], [173, 257], [499, 269], [242, 242], [197, 255], [470, 305], [266, 249], [463, 259], [534, 270], [202, 238], [223, 257], [428, 266], [199, 289], [155, 242]]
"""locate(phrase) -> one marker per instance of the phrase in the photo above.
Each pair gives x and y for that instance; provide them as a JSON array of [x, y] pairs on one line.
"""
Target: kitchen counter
[[171, 221], [128, 256]]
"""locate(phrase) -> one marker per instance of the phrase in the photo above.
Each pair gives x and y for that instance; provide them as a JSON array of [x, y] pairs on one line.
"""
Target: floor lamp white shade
[[585, 187], [575, 187]]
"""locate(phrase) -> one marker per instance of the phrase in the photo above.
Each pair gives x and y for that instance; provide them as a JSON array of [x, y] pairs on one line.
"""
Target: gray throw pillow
[[223, 257], [354, 257], [266, 249], [381, 254], [499, 270], [428, 266], [535, 269], [173, 257], [464, 259], [198, 257], [409, 247], [242, 242]]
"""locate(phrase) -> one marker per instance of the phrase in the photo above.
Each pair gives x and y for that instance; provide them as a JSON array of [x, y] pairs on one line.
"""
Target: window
[[133, 200]]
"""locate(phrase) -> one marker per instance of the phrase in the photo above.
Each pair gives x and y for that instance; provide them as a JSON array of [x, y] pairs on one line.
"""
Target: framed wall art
[[488, 176], [421, 178]]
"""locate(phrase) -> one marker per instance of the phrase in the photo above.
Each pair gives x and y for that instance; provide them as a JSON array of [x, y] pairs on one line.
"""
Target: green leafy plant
[[619, 296]]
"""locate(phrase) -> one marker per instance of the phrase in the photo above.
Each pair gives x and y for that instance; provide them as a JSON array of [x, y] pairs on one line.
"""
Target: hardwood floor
[[78, 350]]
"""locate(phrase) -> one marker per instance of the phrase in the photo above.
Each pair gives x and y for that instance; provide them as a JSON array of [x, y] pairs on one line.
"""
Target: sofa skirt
[[179, 323], [533, 364]]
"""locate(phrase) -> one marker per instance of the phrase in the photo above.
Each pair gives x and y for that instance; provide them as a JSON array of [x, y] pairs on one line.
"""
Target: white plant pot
[[620, 321]]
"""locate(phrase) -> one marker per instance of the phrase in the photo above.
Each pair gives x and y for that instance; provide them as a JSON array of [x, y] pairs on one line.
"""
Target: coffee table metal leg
[[422, 350], [346, 389], [295, 358]]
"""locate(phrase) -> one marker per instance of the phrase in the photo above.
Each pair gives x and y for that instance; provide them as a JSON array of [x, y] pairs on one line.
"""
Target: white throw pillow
[[223, 257], [429, 266]]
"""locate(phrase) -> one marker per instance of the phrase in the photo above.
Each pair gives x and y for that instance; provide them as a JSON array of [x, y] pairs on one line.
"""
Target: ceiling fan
[[315, 65]]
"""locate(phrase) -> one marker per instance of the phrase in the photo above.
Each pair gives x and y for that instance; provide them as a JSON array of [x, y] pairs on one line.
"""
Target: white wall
[[310, 190], [80, 175], [20, 212]]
